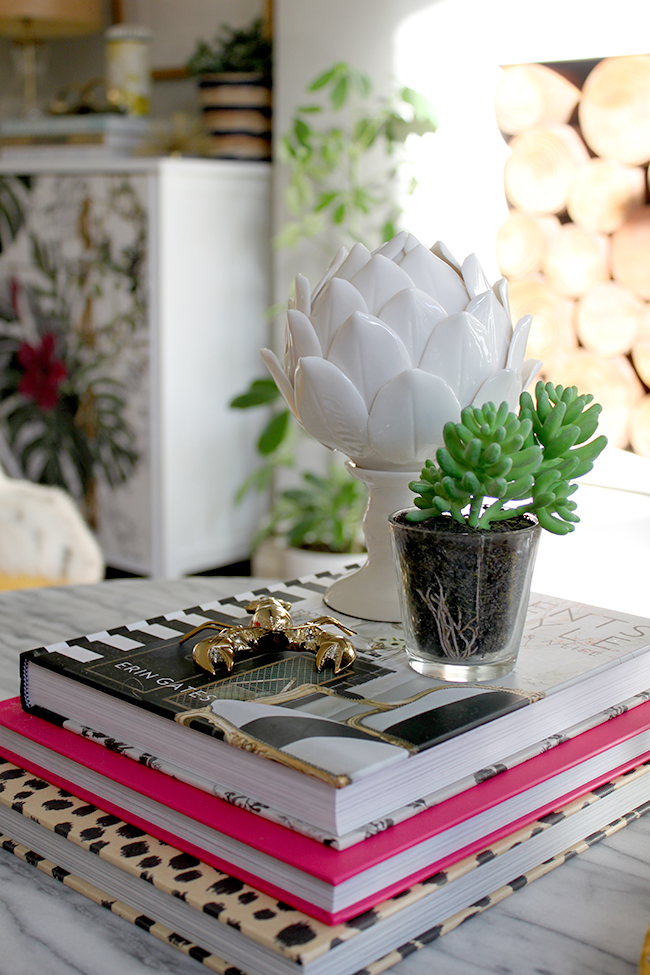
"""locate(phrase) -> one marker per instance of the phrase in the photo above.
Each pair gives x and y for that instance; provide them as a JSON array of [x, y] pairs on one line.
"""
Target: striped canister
[[236, 110]]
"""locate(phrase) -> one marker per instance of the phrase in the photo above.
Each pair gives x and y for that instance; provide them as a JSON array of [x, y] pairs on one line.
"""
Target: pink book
[[332, 885]]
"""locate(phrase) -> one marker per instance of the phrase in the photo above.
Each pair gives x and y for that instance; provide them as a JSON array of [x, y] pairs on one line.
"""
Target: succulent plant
[[533, 457]]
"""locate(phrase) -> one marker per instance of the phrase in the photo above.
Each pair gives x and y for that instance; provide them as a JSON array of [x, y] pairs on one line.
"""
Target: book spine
[[26, 704]]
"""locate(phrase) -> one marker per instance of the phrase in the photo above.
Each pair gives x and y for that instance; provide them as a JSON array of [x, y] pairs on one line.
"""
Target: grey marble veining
[[47, 928], [588, 917]]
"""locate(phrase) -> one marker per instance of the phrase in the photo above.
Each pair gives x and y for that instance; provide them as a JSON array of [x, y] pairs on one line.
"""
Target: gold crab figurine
[[271, 617]]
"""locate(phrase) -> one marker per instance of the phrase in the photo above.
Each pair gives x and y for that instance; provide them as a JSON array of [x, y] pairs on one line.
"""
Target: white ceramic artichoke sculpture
[[389, 347]]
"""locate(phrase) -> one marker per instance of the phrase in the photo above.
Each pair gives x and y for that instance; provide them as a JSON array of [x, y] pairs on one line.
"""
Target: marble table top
[[589, 917]]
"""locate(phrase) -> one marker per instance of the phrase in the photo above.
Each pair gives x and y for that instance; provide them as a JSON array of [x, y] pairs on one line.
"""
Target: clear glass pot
[[463, 594]]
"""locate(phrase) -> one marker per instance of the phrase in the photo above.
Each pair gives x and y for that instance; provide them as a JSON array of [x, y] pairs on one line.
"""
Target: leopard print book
[[117, 907], [222, 967], [258, 916]]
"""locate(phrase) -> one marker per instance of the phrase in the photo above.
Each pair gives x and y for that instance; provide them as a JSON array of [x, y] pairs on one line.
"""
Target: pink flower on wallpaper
[[43, 374]]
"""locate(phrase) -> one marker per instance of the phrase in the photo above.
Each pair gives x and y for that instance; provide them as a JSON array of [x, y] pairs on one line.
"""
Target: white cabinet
[[151, 278]]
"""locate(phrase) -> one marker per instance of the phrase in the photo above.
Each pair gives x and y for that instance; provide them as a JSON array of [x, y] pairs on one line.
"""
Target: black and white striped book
[[334, 750]]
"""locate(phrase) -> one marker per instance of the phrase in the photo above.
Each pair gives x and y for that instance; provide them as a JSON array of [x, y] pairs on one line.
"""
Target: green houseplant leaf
[[246, 49]]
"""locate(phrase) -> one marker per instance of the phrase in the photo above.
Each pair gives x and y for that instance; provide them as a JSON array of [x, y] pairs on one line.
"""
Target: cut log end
[[532, 94], [540, 172], [603, 195], [607, 319], [640, 427], [552, 334], [613, 383], [521, 243], [614, 109], [630, 257], [575, 261]]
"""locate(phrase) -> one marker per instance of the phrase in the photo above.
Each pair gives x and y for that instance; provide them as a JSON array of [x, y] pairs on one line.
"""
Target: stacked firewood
[[576, 245]]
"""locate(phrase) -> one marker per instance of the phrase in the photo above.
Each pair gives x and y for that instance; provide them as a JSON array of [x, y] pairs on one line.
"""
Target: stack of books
[[102, 135], [281, 819]]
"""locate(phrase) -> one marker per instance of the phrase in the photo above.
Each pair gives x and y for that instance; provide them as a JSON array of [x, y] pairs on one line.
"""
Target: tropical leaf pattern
[[63, 396], [12, 207]]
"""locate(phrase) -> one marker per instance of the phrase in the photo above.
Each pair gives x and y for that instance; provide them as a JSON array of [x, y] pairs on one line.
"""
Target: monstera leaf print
[[12, 208]]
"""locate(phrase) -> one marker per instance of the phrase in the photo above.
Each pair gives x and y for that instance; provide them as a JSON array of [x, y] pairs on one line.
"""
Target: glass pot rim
[[428, 528]]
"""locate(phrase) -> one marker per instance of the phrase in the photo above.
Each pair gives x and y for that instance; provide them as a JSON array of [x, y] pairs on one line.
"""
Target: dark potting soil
[[464, 584]]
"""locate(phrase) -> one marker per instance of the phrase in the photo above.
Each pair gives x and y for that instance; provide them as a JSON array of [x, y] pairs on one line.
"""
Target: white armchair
[[43, 538]]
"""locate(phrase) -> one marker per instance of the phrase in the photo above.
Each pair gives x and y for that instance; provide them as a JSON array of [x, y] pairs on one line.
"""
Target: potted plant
[[340, 152], [312, 527], [465, 554], [234, 77]]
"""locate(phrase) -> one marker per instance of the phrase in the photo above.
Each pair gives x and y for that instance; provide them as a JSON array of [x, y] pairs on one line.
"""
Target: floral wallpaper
[[74, 348]]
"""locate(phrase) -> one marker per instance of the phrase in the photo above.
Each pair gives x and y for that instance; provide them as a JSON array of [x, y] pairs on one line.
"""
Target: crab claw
[[212, 651], [336, 650]]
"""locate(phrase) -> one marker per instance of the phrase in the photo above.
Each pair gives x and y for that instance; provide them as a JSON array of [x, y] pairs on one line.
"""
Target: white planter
[[274, 559], [371, 593]]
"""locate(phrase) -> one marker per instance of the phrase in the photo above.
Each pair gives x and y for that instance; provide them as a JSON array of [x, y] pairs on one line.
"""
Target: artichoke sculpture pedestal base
[[371, 592]]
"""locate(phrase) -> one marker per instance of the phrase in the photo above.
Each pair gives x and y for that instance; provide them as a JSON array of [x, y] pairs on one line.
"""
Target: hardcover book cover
[[329, 884], [375, 826], [352, 728], [254, 929]]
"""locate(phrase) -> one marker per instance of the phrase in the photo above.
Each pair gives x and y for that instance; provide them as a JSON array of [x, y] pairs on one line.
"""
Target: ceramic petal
[[368, 353], [303, 295], [441, 250], [337, 301], [517, 349], [339, 257], [303, 335], [407, 417], [391, 249], [433, 275], [356, 259], [500, 289], [330, 407], [460, 352], [289, 359], [488, 310], [281, 381], [410, 242], [475, 281], [529, 371], [413, 315], [503, 386], [379, 280]]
